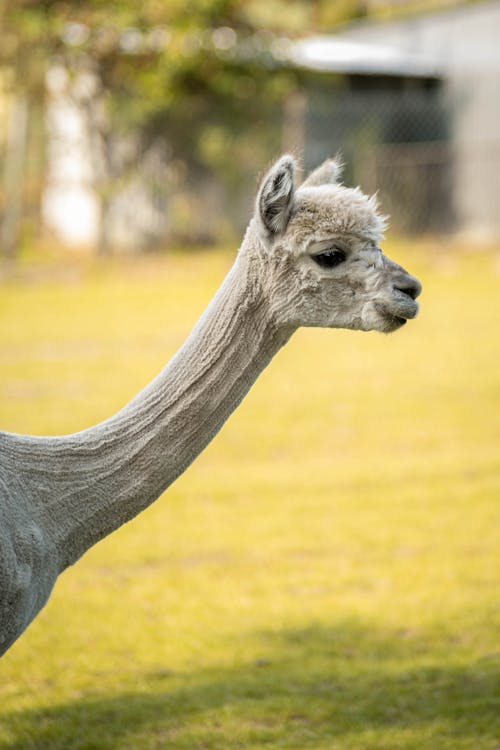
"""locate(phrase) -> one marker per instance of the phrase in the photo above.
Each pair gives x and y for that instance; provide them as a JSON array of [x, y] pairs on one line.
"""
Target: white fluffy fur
[[61, 495]]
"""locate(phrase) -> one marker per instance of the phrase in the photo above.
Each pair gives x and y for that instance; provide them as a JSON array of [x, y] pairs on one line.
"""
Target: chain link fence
[[396, 142], [397, 139], [403, 140]]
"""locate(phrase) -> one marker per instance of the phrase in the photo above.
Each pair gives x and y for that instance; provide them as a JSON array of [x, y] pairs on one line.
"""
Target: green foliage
[[148, 58], [325, 574], [201, 82], [194, 81]]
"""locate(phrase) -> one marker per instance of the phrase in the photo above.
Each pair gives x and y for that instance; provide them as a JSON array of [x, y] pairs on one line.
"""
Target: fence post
[[294, 122], [13, 176]]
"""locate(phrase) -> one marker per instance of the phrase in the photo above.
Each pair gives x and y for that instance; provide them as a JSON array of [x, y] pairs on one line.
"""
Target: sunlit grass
[[324, 576]]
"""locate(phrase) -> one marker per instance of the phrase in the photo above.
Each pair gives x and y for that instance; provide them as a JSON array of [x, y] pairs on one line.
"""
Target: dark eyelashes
[[330, 258]]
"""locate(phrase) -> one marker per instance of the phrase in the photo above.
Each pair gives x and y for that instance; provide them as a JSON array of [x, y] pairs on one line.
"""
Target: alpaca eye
[[330, 258]]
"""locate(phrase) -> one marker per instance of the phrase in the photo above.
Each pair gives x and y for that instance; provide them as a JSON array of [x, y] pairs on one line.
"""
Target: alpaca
[[310, 257]]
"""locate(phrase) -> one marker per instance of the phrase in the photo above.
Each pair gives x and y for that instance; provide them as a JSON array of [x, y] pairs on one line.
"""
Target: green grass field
[[324, 576]]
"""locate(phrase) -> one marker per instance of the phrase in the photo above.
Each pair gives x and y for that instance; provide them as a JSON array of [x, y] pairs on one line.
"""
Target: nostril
[[409, 286]]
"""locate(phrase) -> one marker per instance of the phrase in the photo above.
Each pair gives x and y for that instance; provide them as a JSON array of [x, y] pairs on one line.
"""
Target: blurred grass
[[326, 574]]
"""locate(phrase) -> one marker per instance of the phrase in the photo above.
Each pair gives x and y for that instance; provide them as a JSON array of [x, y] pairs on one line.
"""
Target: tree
[[192, 75]]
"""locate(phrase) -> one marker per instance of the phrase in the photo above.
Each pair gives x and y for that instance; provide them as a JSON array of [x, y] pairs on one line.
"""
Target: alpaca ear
[[276, 195], [327, 173]]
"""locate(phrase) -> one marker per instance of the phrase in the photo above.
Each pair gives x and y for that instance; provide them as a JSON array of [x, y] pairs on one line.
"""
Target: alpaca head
[[318, 248]]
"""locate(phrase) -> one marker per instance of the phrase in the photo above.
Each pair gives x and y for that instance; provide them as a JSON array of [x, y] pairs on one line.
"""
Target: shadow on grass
[[344, 687]]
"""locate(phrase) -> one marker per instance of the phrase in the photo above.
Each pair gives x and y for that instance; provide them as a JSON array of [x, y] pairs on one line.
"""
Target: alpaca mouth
[[395, 321], [392, 320]]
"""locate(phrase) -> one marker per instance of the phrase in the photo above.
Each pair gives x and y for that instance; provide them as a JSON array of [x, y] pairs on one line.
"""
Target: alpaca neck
[[90, 483]]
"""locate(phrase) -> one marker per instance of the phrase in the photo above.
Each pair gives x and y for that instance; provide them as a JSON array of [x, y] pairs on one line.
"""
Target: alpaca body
[[60, 495]]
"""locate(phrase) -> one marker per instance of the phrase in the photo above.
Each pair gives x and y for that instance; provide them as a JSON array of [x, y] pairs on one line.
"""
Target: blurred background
[[325, 575], [132, 126]]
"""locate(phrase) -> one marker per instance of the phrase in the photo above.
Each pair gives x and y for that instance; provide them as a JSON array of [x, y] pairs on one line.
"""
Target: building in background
[[413, 105], [421, 102], [385, 110]]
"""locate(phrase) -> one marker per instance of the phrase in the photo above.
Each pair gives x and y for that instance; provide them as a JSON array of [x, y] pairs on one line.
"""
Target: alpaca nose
[[408, 285]]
